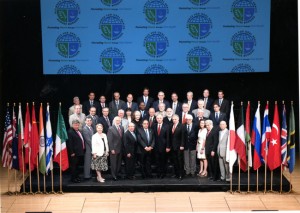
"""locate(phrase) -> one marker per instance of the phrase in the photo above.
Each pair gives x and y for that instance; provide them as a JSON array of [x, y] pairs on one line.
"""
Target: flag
[[256, 140], [15, 157], [231, 153], [247, 135], [27, 135], [240, 145], [34, 143], [61, 153], [266, 134], [42, 151], [284, 138], [291, 141], [49, 143], [7, 142], [274, 153], [21, 141]]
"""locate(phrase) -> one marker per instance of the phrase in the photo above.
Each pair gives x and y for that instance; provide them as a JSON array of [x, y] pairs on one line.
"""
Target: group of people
[[149, 132]]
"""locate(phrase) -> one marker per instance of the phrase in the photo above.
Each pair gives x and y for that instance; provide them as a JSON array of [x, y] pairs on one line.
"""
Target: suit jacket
[[178, 109], [225, 106], [100, 108], [87, 136], [74, 143], [124, 123], [105, 124], [161, 140], [176, 138], [142, 140], [95, 120], [209, 103], [212, 141], [149, 102], [193, 106], [167, 121], [206, 113], [148, 119], [115, 141], [155, 104], [180, 116], [190, 137], [222, 117], [222, 146], [86, 106], [113, 109], [133, 107], [144, 116], [129, 143]]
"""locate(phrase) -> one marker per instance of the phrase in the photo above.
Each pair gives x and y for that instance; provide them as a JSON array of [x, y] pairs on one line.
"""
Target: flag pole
[[266, 163], [281, 168], [52, 185], [60, 172], [16, 192], [29, 162], [45, 192], [249, 144], [291, 186], [257, 180], [23, 166], [239, 176], [231, 192]]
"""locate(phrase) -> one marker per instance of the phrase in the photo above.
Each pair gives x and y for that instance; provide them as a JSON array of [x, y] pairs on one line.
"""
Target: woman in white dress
[[201, 149], [100, 152]]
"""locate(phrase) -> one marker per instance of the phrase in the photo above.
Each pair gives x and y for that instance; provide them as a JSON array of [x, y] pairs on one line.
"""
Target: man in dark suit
[[168, 119], [89, 103], [115, 105], [76, 148], [130, 104], [103, 104], [87, 133], [223, 103], [177, 146], [161, 99], [151, 117], [94, 117], [175, 104], [161, 135], [189, 100], [114, 136], [130, 143], [217, 116], [143, 111], [146, 99], [184, 113], [105, 119], [208, 101], [146, 143], [190, 135], [211, 145]]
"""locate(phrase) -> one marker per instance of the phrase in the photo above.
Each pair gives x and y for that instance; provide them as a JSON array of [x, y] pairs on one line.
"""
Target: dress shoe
[[174, 176], [210, 178], [115, 179], [180, 178]]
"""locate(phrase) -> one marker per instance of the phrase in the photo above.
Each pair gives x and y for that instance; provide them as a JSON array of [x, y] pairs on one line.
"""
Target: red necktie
[[150, 122], [183, 119], [119, 130], [158, 129], [173, 129]]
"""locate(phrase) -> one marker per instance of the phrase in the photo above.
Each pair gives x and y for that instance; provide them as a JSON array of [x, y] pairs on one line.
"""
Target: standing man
[[130, 143], [76, 148], [115, 104], [208, 102], [175, 104], [76, 101], [91, 103], [217, 116], [77, 115], [222, 148], [114, 136], [161, 135], [151, 117], [185, 112], [223, 103], [124, 122], [103, 104], [146, 143], [130, 104], [87, 133], [105, 119], [168, 118], [189, 100], [161, 99], [190, 132], [143, 111], [148, 101], [206, 112], [95, 118]]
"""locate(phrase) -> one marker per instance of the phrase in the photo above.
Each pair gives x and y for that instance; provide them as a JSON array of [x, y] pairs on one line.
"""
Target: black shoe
[[115, 179], [174, 176], [210, 178], [180, 178]]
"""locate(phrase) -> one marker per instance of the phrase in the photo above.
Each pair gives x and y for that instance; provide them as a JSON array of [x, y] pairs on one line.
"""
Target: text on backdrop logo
[[156, 69], [111, 2], [68, 44], [199, 25], [199, 2], [67, 11], [69, 70], [243, 43], [243, 11], [242, 68], [112, 60], [156, 11], [111, 26], [199, 59], [156, 44]]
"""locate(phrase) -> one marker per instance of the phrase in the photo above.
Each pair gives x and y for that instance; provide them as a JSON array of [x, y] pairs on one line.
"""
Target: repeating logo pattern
[[243, 43], [67, 11], [199, 59], [243, 11], [112, 60], [68, 44], [242, 68], [156, 44], [199, 2], [199, 25], [156, 69], [156, 11], [69, 70], [111, 2], [111, 26]]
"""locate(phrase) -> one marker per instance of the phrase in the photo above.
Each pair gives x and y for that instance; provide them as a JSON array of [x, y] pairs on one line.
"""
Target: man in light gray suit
[[124, 122], [114, 136], [87, 133], [206, 113], [222, 148]]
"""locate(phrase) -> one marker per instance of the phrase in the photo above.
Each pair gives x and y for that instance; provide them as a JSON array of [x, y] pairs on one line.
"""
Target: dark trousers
[[115, 164], [213, 166], [74, 166], [130, 165], [161, 158], [145, 160], [178, 162]]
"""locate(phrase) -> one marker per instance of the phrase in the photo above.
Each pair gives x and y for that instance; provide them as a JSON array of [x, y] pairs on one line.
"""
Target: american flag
[[7, 142]]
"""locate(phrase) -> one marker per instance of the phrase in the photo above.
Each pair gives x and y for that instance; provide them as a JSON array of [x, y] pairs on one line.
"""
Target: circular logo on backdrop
[[156, 44], [199, 25], [242, 68], [111, 2], [156, 69], [68, 44], [112, 60], [243, 11], [156, 11], [111, 26], [69, 70], [199, 59], [199, 2], [67, 11], [243, 43]]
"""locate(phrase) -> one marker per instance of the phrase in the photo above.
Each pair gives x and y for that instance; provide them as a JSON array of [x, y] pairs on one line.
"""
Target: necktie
[[91, 103], [129, 105], [188, 128], [174, 107], [220, 102], [102, 105], [81, 139], [207, 133], [217, 116], [173, 129], [120, 131], [145, 101], [117, 104], [150, 122], [147, 135], [158, 129], [133, 135], [183, 119], [205, 102], [107, 121], [90, 128], [142, 112]]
